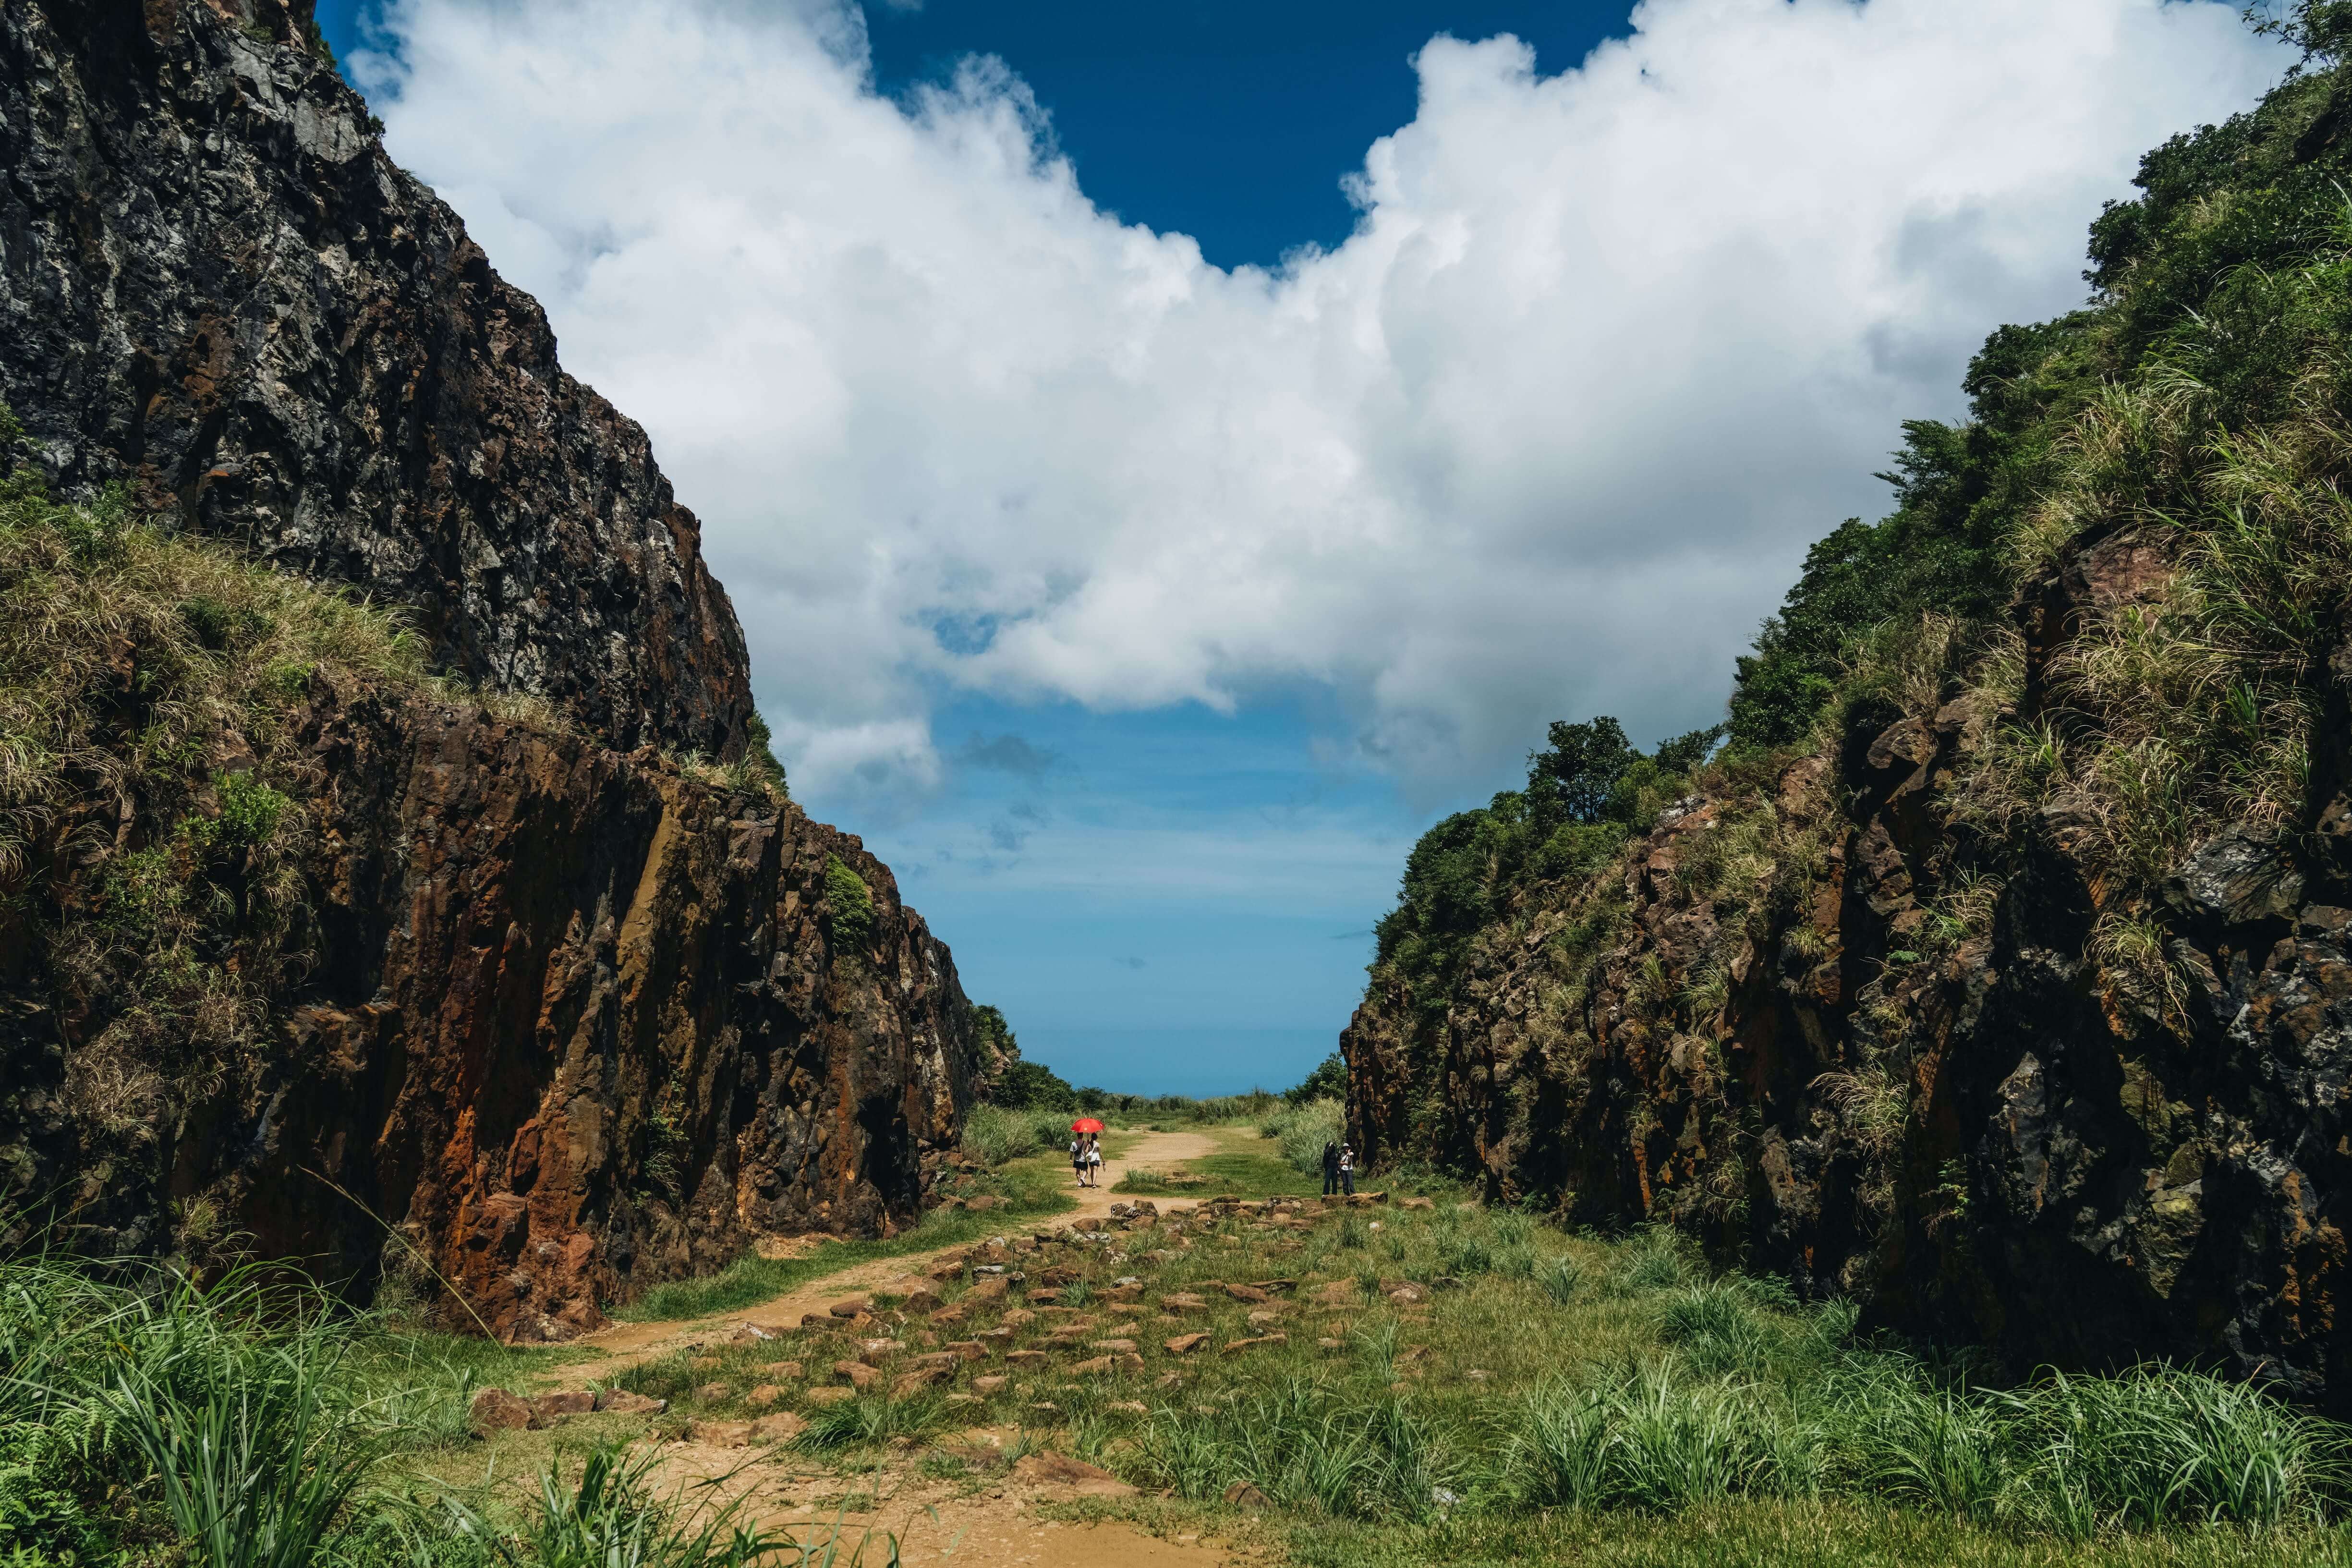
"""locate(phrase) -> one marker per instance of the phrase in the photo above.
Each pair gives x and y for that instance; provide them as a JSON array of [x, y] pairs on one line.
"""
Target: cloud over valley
[[1546, 435]]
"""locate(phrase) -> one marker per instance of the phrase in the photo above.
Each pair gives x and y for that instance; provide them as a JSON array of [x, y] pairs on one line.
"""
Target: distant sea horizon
[[1193, 1060]]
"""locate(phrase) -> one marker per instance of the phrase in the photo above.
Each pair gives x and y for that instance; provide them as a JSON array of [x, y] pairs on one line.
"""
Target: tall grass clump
[[993, 1134], [148, 1408], [1307, 1445], [1302, 1130]]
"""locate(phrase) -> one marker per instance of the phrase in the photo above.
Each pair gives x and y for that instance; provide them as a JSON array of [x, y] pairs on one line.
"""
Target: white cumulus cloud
[[1545, 436]]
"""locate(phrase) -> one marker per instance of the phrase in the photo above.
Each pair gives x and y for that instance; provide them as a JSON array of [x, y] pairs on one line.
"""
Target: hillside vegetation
[[1992, 967]]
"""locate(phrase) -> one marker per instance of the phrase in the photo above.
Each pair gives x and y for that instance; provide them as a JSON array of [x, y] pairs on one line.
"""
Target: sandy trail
[[628, 1343]]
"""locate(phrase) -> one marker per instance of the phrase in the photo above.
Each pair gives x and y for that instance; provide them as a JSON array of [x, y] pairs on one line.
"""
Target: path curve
[[628, 1343]]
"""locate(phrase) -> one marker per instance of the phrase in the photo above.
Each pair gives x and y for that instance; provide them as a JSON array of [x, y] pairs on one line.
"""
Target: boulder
[[496, 1410]]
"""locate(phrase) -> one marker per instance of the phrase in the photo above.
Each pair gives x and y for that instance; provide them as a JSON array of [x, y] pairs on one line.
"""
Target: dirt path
[[628, 1343], [933, 1523]]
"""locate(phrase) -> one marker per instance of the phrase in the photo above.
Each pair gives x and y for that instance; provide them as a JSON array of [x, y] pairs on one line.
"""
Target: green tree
[[1328, 1081]]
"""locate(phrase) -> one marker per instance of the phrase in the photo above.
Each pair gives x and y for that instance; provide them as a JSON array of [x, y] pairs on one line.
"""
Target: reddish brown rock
[[547, 1408], [621, 1401], [496, 1410], [1185, 1344]]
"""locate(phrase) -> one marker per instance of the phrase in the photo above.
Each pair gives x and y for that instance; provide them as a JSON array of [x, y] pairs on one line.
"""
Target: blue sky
[[1164, 458]]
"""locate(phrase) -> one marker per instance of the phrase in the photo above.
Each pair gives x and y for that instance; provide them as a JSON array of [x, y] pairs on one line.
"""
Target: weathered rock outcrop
[[1792, 1022], [576, 1022], [565, 1015], [218, 288]]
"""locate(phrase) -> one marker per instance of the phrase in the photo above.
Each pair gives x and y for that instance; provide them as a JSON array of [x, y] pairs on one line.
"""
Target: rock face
[[219, 290], [574, 1019], [1986, 1133]]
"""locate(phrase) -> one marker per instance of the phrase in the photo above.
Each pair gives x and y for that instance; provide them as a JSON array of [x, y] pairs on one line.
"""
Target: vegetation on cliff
[[1994, 970]]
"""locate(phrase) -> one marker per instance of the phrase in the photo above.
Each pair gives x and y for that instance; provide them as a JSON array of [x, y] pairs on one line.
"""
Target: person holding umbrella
[[1084, 1154]]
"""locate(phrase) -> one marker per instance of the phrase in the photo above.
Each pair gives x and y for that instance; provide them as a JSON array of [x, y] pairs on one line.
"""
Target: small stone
[[907, 1382], [1168, 1380], [1026, 1358], [1241, 1494], [857, 1306], [857, 1372], [1128, 1407], [1183, 1301], [720, 1434], [1328, 1343], [1477, 1374], [1246, 1293], [873, 1352], [706, 1363], [1185, 1344], [712, 1392], [496, 1410], [1338, 1293], [750, 1334], [1233, 1346], [621, 1401], [1408, 1295], [831, 1396], [781, 1427], [788, 1369], [1117, 1347], [1093, 1366], [1261, 1318], [1048, 1469], [991, 1383], [969, 1349], [760, 1398]]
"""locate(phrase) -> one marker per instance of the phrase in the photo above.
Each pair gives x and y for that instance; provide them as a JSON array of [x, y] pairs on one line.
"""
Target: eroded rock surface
[[1987, 1135], [219, 290], [567, 1020]]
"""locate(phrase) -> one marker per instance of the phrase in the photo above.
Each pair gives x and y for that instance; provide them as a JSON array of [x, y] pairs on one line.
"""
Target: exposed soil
[[933, 1521]]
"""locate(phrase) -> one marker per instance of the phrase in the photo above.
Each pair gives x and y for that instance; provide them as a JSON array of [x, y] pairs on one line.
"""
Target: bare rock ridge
[[575, 1017], [219, 290]]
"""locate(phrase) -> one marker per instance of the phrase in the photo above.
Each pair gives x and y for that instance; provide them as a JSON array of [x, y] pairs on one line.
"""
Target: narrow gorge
[[501, 965]]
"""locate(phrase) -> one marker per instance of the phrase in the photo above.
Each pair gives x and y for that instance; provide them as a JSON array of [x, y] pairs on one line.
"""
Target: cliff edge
[[392, 875]]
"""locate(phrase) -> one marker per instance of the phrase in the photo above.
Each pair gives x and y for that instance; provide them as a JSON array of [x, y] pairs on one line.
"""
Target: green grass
[[1035, 1189]]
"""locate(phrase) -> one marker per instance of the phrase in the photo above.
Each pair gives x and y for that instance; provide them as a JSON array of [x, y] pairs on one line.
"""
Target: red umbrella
[[1086, 1124]]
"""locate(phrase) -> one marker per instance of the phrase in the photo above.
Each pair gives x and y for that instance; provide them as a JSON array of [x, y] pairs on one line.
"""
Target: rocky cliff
[[220, 291], [2014, 996], [525, 987]]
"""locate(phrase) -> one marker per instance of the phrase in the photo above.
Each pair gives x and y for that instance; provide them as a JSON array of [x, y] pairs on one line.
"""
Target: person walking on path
[[1094, 1159], [1078, 1158], [1348, 1169], [1330, 1168]]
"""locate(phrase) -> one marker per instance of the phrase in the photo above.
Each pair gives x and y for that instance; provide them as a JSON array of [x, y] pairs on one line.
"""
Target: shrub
[[849, 907]]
